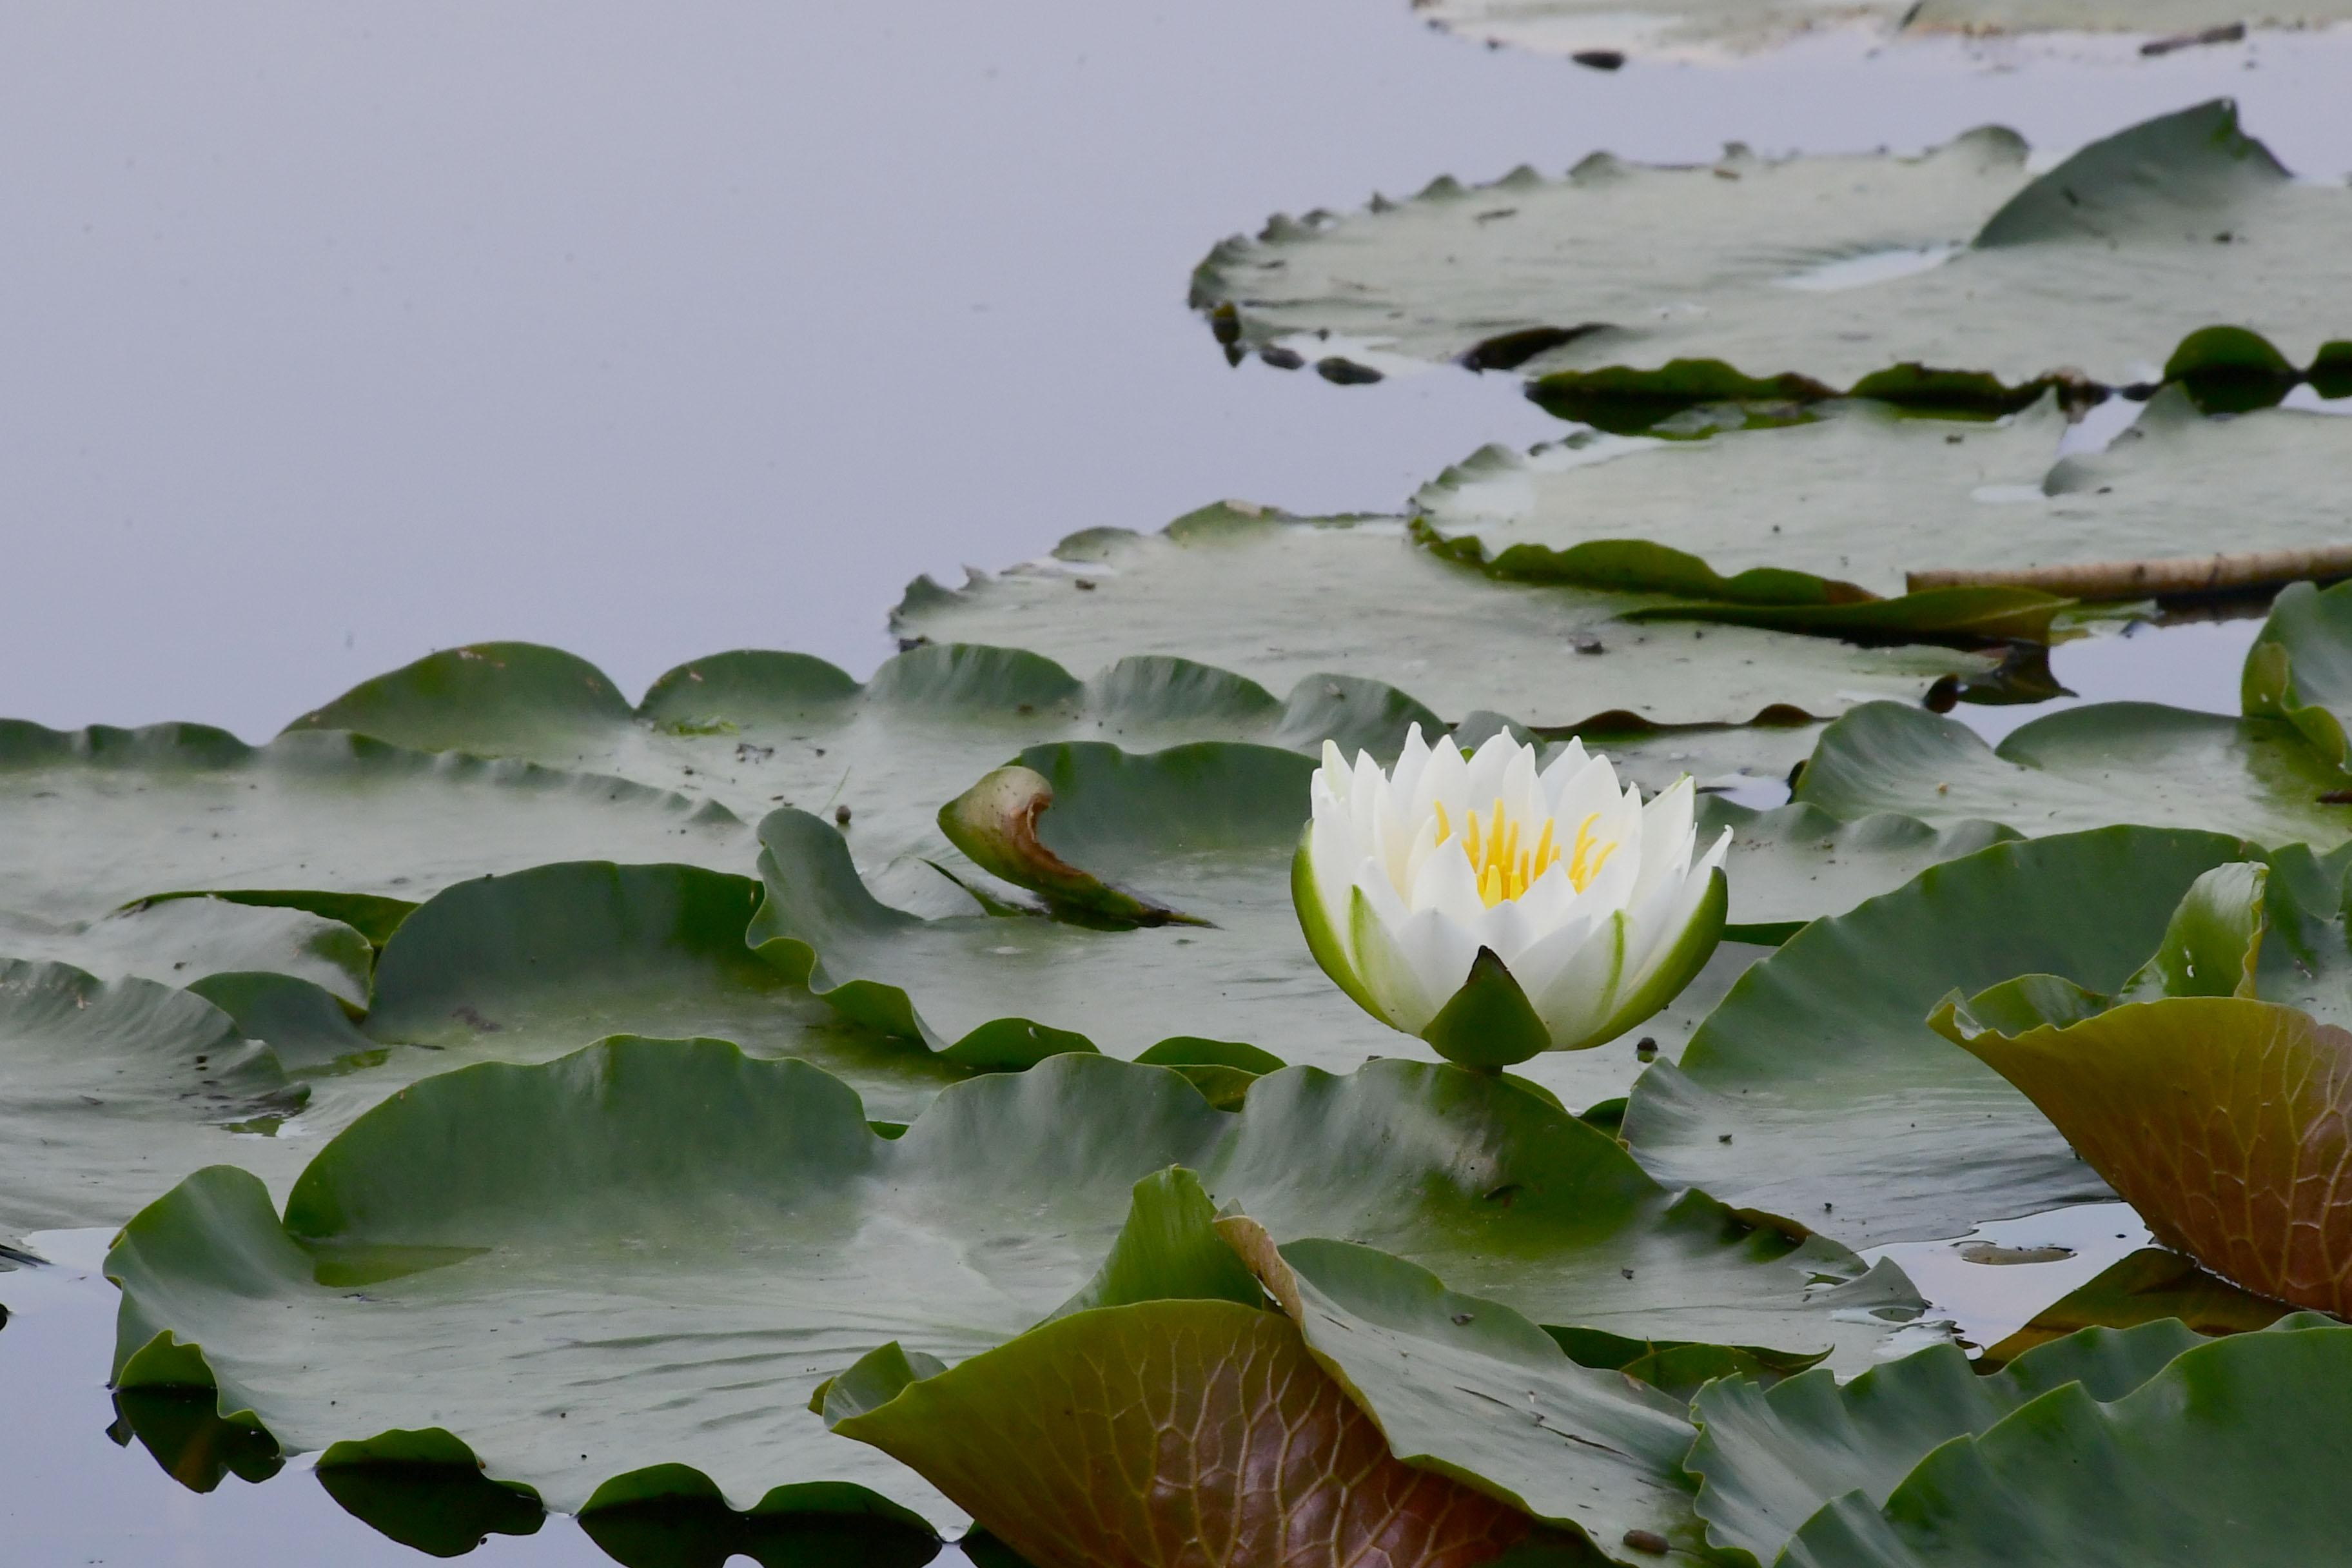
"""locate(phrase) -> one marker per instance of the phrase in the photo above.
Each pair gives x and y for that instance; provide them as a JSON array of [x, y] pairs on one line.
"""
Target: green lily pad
[[1188, 851], [2300, 667], [2215, 1113], [1771, 1459], [1989, 521], [1818, 1090], [1819, 271], [2083, 768], [527, 967], [1711, 29], [337, 824], [2148, 1286], [112, 1090], [756, 730], [650, 1253], [179, 941], [1227, 582], [2231, 1454]]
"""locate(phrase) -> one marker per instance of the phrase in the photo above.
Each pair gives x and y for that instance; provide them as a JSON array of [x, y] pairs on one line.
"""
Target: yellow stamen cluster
[[1507, 871]]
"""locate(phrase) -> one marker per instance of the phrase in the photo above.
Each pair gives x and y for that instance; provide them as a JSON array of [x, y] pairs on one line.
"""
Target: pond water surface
[[335, 334]]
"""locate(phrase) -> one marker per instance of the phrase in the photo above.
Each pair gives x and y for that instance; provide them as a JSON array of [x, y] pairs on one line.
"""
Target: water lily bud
[[1497, 910]]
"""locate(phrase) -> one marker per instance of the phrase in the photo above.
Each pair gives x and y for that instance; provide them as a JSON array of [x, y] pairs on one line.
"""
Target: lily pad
[[2083, 768], [111, 1089], [101, 817], [754, 730], [2149, 1286], [1710, 29], [2300, 667], [2218, 1115], [649, 1253], [1771, 1459], [1817, 273], [2229, 1455], [1818, 1090], [527, 967], [1192, 1430], [1226, 582], [179, 941], [1984, 517], [1188, 851]]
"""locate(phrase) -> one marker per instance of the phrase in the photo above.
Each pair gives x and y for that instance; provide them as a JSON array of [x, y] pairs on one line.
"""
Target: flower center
[[1504, 871]]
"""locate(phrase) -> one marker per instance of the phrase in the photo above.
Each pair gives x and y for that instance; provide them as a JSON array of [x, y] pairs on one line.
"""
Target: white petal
[[1591, 788], [1447, 882], [1666, 835], [1445, 782], [1654, 944], [1578, 998], [1566, 762], [1411, 964], [1414, 757]]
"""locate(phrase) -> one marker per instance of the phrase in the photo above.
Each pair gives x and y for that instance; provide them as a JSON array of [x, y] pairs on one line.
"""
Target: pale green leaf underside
[[2098, 268], [1282, 599]]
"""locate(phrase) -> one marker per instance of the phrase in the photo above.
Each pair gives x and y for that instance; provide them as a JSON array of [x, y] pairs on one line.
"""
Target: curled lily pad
[[1816, 274], [2149, 1286], [1991, 522], [2218, 1115], [1771, 1459], [345, 826], [2300, 667], [2083, 768], [109, 1089], [1224, 583], [2228, 1455], [1817, 1089]]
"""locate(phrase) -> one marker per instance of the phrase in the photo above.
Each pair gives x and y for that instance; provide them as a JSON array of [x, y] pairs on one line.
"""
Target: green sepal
[[1489, 1025]]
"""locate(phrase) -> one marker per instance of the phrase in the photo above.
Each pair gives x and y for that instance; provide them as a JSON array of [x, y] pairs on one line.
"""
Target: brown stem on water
[[2163, 577]]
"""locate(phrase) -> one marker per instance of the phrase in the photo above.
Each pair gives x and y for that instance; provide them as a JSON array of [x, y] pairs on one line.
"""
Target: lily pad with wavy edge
[[1208, 831], [2150, 1285], [346, 826], [755, 730], [2300, 667], [112, 1090], [2218, 1115], [527, 967], [1852, 504], [1230, 584], [1819, 270], [650, 1253], [1771, 1459], [2083, 768], [1096, 1479], [180, 940], [2233, 1453], [1818, 1081], [1710, 29]]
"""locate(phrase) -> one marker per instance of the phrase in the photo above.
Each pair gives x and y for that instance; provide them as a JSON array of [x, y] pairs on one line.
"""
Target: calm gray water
[[334, 334]]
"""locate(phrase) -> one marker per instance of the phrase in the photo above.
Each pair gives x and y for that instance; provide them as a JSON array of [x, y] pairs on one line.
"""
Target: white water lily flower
[[1497, 910]]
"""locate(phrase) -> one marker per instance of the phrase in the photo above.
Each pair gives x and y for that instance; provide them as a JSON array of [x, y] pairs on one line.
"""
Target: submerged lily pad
[[650, 1252], [755, 730], [1227, 582], [1960, 524], [2083, 768], [338, 824], [1818, 1090], [1709, 29], [112, 1090], [1821, 271]]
